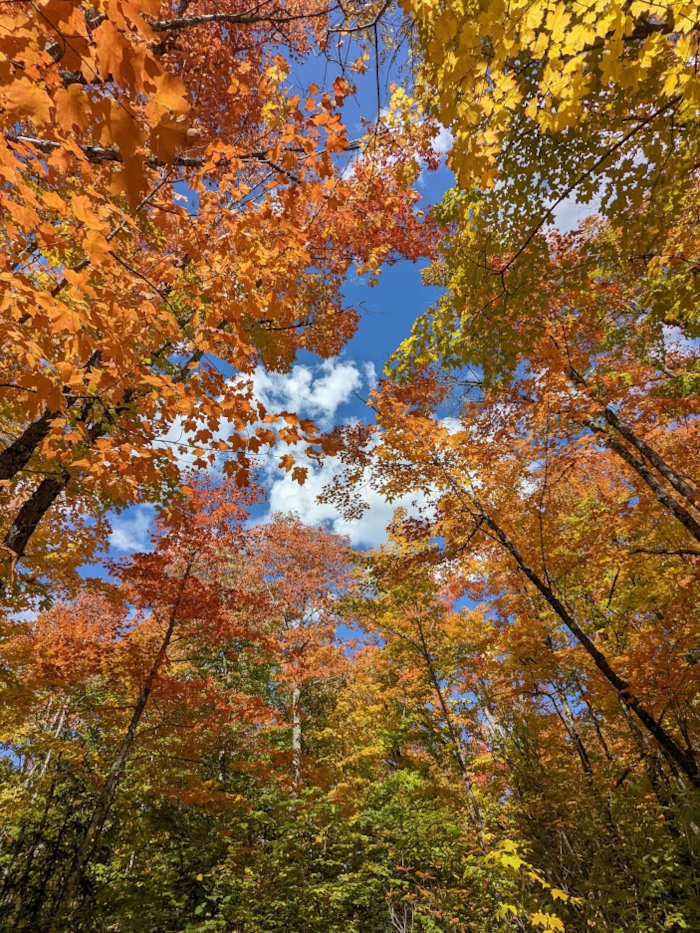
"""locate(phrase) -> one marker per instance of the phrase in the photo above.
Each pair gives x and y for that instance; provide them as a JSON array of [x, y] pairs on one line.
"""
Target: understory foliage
[[198, 746], [491, 721]]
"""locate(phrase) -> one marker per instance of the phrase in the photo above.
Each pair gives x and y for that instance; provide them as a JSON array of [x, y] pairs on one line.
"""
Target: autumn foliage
[[488, 723], [174, 215]]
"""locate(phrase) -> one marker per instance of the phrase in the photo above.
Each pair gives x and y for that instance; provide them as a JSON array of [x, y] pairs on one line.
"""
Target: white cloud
[[131, 530], [317, 393], [452, 425], [370, 375], [570, 213], [444, 140], [285, 495], [313, 391], [442, 144], [676, 341]]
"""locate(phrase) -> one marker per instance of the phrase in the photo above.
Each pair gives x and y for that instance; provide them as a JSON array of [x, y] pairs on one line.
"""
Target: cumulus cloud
[[442, 146], [676, 341], [316, 392], [130, 530], [570, 213], [180, 444], [320, 392], [370, 375], [285, 496], [310, 391], [442, 143]]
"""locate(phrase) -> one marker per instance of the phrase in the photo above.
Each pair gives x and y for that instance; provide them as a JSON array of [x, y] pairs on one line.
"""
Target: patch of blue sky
[[333, 391]]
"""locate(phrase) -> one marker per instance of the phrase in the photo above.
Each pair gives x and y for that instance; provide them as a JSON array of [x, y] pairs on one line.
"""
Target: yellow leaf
[[560, 895], [548, 921]]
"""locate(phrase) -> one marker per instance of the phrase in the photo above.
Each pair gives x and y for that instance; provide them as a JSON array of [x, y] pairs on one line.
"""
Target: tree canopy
[[490, 721]]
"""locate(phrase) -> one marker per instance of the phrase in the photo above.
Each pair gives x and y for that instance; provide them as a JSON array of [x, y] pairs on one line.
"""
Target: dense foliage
[[488, 723]]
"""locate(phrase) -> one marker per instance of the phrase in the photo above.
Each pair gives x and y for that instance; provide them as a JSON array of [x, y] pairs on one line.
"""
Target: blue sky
[[331, 391]]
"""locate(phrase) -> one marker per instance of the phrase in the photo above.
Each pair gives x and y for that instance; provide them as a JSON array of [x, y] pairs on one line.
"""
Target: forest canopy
[[248, 720]]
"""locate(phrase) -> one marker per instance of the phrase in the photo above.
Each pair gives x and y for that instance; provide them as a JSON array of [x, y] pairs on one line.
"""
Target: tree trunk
[[104, 801], [46, 493], [683, 758], [566, 714], [296, 736], [452, 732], [33, 510], [675, 479], [16, 456], [662, 495]]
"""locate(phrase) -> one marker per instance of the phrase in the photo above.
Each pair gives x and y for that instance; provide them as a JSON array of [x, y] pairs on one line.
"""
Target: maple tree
[[553, 102], [488, 723], [127, 652], [174, 214], [306, 574], [465, 758], [546, 407], [580, 646], [560, 344], [138, 729]]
